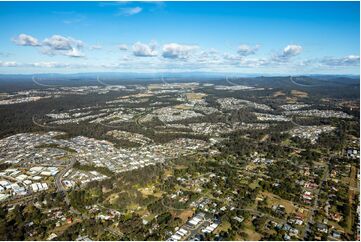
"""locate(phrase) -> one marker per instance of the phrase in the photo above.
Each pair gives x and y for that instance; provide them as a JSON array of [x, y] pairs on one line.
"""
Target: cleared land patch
[[298, 93]]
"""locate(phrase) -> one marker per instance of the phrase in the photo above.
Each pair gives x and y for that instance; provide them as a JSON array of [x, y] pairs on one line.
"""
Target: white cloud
[[351, 60], [126, 58], [129, 11], [255, 62], [291, 50], [288, 52], [144, 50], [233, 58], [43, 64], [209, 56], [243, 61], [49, 64], [177, 51], [175, 56], [58, 42], [74, 53], [60, 45], [60, 65], [26, 40], [8, 64], [122, 47], [245, 50], [55, 45]]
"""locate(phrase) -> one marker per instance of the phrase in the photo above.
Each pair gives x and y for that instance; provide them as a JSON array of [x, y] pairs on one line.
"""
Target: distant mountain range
[[165, 74]]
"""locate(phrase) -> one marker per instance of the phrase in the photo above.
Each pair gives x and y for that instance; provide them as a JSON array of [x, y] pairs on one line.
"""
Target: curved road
[[41, 125], [301, 85], [232, 83], [43, 85]]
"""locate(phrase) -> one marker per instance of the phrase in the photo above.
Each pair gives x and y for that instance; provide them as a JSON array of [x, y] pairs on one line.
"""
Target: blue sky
[[238, 37]]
